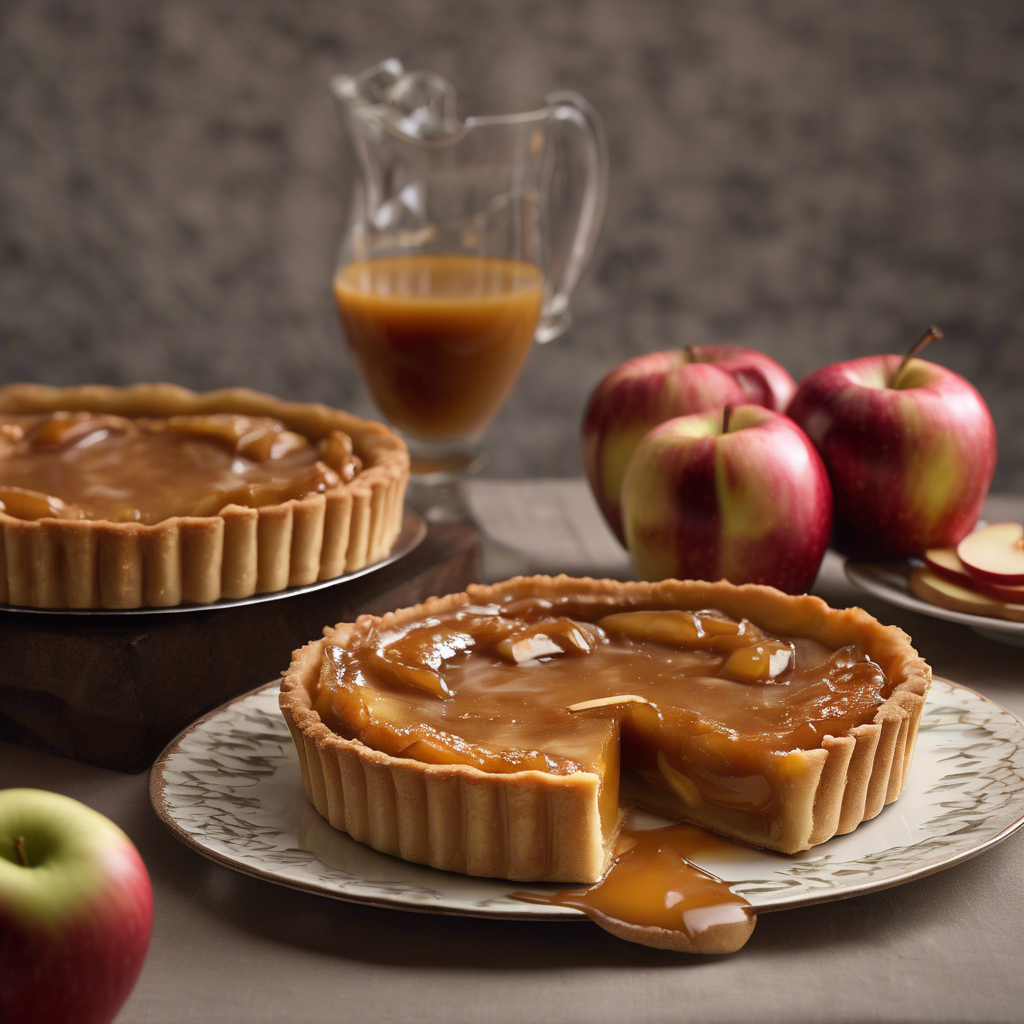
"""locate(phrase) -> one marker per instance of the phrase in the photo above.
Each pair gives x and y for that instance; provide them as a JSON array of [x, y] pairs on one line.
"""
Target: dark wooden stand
[[113, 691]]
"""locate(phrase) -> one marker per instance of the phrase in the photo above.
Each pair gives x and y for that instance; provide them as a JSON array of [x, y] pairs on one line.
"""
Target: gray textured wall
[[818, 178]]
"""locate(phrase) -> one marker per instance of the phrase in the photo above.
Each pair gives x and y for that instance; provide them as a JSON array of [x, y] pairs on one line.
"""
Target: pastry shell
[[533, 826], [54, 563]]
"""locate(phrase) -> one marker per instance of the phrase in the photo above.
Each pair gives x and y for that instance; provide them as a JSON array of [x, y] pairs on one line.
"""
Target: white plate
[[414, 529], [229, 787], [889, 581]]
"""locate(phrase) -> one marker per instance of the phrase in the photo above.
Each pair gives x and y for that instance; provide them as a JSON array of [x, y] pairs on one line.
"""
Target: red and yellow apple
[[741, 496], [763, 380], [645, 391], [76, 911], [910, 449]]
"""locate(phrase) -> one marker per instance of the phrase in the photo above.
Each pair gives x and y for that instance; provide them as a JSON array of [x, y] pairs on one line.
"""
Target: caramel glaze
[[450, 692], [653, 894], [103, 467]]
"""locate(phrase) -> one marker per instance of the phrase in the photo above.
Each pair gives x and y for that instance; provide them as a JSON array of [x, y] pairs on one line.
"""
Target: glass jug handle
[[583, 126]]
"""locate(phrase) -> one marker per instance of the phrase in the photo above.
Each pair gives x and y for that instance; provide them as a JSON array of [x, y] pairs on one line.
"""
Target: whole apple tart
[[500, 731], [153, 495]]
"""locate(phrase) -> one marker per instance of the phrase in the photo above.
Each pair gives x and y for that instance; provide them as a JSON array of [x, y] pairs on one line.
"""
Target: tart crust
[[534, 826], [240, 551]]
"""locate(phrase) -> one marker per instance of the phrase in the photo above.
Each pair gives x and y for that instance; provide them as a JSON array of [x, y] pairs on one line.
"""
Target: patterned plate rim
[[157, 783]]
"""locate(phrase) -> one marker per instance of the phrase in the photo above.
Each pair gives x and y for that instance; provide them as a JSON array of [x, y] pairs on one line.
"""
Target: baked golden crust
[[53, 563], [532, 826]]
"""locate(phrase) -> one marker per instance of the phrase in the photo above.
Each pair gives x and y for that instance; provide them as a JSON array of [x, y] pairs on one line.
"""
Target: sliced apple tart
[[150, 496], [500, 731]]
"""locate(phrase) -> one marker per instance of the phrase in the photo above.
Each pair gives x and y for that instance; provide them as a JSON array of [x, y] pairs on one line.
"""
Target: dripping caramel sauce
[[654, 894]]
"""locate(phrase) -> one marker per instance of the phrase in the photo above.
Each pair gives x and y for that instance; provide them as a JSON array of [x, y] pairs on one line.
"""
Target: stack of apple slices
[[982, 575]]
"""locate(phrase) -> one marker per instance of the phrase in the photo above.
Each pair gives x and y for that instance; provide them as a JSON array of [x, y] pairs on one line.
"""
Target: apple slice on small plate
[[890, 581], [1012, 595], [946, 594], [995, 554], [945, 562]]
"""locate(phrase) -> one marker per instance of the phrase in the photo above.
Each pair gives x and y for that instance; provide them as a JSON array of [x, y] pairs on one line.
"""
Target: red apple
[[647, 390], [910, 449], [763, 380], [744, 497], [76, 911]]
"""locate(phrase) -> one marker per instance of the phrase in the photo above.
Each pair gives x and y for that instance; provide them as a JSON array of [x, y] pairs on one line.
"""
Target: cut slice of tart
[[498, 732], [151, 495]]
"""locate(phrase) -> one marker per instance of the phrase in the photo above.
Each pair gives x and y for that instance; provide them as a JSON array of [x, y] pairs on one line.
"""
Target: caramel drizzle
[[655, 895], [99, 466]]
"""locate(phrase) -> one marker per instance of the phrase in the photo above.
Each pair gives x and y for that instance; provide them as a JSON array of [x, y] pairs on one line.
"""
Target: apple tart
[[152, 495], [500, 731]]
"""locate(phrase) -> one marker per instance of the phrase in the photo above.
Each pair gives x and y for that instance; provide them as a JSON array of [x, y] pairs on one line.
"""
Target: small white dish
[[229, 787], [890, 582]]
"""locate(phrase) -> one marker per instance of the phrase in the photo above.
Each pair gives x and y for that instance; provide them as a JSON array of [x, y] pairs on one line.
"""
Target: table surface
[[228, 948]]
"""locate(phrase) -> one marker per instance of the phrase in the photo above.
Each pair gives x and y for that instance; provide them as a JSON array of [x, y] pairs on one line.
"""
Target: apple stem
[[932, 334], [19, 851], [691, 356], [726, 414]]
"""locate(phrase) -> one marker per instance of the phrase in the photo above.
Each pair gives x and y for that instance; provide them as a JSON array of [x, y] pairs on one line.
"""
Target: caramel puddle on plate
[[654, 895]]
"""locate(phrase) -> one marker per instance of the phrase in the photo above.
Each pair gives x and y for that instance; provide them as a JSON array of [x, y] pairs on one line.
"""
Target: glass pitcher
[[464, 241]]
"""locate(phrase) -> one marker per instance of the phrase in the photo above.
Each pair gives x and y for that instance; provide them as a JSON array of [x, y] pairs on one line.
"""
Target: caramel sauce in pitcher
[[441, 339]]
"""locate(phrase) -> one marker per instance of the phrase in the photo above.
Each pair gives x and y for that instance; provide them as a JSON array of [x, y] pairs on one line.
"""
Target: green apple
[[76, 911]]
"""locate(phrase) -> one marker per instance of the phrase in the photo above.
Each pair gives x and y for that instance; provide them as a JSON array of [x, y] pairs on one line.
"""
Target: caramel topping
[[710, 720], [91, 466], [654, 895]]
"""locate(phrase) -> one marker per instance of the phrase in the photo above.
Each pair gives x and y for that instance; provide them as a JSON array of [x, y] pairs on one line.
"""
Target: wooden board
[[114, 690]]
